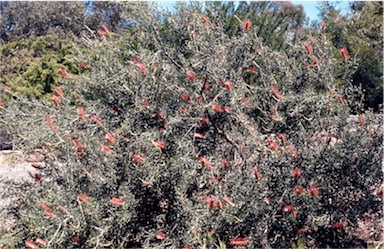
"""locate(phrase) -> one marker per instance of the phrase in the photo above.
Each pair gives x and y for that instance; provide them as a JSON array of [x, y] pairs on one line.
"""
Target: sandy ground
[[13, 166]]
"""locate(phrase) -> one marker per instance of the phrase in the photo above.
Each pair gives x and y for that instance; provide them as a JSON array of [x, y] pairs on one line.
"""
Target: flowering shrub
[[165, 148]]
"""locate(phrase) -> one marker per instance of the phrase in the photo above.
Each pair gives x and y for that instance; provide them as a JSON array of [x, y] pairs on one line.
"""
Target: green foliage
[[31, 67]]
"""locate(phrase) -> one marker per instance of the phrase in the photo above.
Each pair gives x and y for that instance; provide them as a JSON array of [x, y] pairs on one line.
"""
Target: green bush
[[155, 150]]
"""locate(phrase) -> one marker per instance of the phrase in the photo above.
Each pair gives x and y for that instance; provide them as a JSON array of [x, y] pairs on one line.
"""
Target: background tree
[[362, 34]]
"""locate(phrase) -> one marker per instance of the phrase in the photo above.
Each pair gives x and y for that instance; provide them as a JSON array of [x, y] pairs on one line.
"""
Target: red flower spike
[[244, 100], [257, 173], [96, 119], [117, 201], [191, 75], [308, 48], [226, 163], [142, 68], [110, 138], [58, 92], [161, 236], [138, 158], [199, 135], [63, 73], [185, 97], [43, 205], [159, 144], [267, 200], [30, 244], [136, 60], [238, 241], [296, 173], [106, 149], [106, 29], [251, 70], [227, 109], [298, 190], [229, 85], [204, 121], [203, 161], [83, 198], [36, 166], [41, 241], [56, 100], [49, 212], [50, 123], [199, 100], [228, 200], [276, 92], [288, 209], [282, 137], [84, 64], [338, 225], [81, 113], [247, 25], [185, 111], [273, 145], [313, 191], [314, 63], [100, 32], [36, 176], [362, 120], [344, 53], [217, 108]]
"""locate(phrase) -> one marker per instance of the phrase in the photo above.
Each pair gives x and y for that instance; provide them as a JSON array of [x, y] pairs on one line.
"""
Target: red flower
[[238, 241], [251, 70], [298, 190], [313, 191], [110, 137], [36, 166], [203, 161], [106, 149], [338, 225], [106, 29], [227, 109], [273, 145], [146, 103], [56, 100], [199, 100], [314, 63], [49, 212], [247, 25], [229, 85], [117, 201], [226, 163], [36, 176], [308, 48], [84, 64], [288, 208], [296, 173], [185, 97], [159, 144], [30, 244], [100, 32], [244, 100], [213, 203], [191, 75], [2, 102], [228, 200], [142, 68], [58, 92], [362, 120], [282, 137], [136, 60], [96, 119], [323, 25], [276, 92], [81, 113], [50, 123], [63, 72], [257, 173], [83, 198], [204, 121], [185, 111], [41, 241], [199, 135], [138, 158], [344, 53], [217, 108], [161, 236]]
